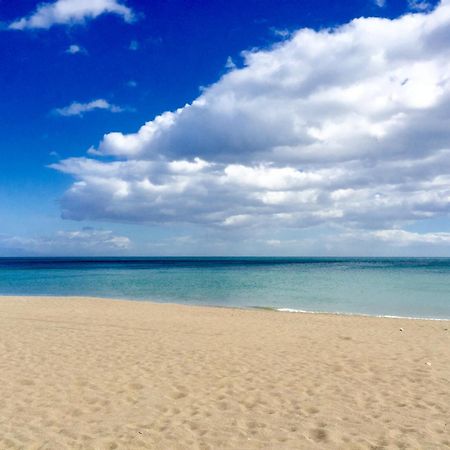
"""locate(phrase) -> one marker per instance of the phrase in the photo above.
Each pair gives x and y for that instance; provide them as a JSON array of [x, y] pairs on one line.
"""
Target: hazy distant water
[[415, 287]]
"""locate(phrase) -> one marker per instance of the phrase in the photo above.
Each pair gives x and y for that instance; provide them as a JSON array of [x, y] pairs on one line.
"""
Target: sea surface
[[407, 287]]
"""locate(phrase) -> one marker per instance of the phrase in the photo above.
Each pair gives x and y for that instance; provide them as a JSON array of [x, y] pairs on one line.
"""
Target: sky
[[213, 127]]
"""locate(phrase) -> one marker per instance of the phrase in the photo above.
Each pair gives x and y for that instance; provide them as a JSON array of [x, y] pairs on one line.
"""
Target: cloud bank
[[344, 126], [86, 241], [78, 109], [71, 12]]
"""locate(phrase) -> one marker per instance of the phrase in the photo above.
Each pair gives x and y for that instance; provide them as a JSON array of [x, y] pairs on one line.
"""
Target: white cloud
[[347, 126], [78, 109], [74, 49], [380, 3], [281, 33], [134, 45], [230, 63], [70, 12], [80, 242], [404, 238], [418, 5]]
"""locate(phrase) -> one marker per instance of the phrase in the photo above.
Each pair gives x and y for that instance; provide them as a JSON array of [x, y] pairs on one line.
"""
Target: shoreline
[[243, 308], [80, 372]]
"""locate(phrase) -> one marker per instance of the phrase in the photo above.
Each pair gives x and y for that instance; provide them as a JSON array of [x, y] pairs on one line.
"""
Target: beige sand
[[103, 374]]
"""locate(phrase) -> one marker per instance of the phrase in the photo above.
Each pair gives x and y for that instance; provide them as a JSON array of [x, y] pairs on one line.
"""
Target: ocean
[[406, 287]]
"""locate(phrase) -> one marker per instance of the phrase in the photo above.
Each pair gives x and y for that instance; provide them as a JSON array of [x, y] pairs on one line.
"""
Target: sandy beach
[[85, 373]]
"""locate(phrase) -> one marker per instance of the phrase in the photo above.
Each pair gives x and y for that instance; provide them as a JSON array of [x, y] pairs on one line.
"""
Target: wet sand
[[84, 373]]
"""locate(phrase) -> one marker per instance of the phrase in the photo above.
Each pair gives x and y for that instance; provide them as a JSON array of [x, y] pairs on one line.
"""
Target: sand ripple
[[94, 374]]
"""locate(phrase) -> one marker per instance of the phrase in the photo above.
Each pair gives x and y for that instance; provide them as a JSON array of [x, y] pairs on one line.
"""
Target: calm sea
[[410, 287]]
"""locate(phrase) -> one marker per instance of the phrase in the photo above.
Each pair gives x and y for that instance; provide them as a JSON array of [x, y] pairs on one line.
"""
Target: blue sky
[[285, 128]]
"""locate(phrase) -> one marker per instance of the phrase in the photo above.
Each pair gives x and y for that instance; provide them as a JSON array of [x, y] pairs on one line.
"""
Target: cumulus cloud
[[70, 12], [344, 126], [85, 241], [78, 109]]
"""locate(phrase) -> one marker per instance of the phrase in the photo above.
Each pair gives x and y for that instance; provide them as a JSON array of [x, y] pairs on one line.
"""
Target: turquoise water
[[410, 287]]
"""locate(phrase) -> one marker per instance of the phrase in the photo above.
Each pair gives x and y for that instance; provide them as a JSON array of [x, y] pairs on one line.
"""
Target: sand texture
[[84, 373]]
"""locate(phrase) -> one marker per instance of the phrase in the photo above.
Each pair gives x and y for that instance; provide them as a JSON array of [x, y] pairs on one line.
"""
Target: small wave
[[386, 316]]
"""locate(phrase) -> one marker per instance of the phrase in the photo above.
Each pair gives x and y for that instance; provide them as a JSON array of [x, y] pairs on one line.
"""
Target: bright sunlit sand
[[84, 373]]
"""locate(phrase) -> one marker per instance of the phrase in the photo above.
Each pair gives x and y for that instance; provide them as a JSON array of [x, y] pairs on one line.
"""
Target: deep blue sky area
[[182, 45], [157, 63]]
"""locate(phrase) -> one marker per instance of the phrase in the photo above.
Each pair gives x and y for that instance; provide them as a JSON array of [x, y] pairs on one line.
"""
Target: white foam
[[387, 316]]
